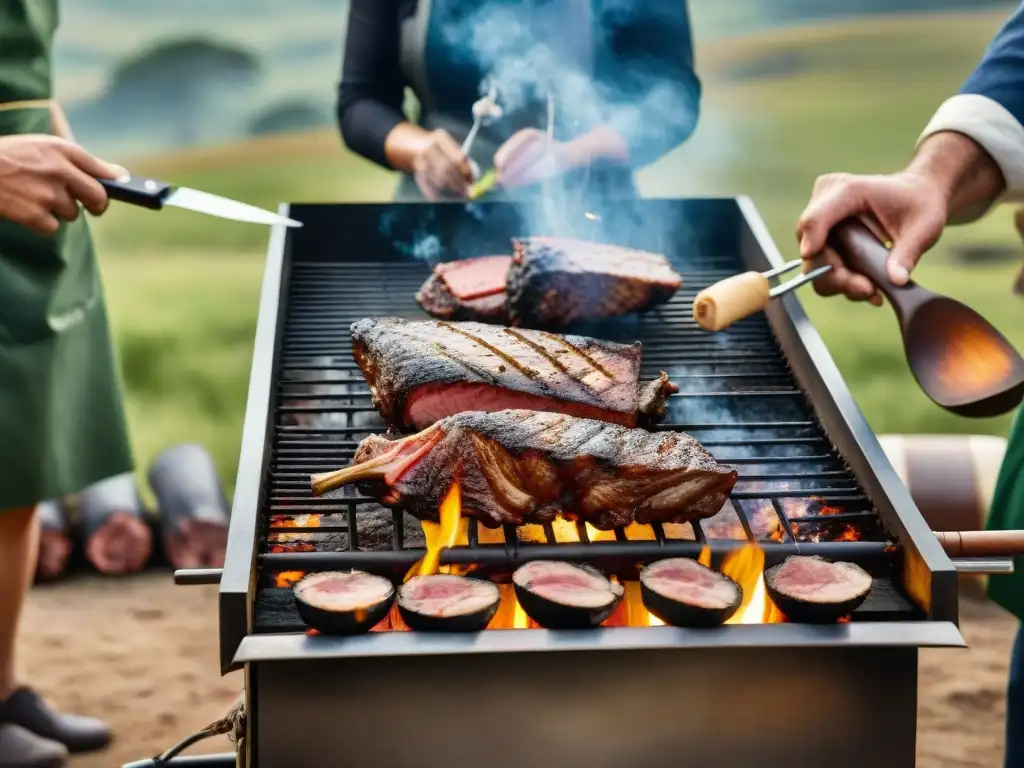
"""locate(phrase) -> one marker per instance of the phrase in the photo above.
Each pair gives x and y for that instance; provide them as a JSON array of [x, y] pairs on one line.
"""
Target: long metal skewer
[[805, 278]]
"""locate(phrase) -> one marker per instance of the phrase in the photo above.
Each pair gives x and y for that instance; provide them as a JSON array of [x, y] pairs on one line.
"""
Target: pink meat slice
[[475, 278]]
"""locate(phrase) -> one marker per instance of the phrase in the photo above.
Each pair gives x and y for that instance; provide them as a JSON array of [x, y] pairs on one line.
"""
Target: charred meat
[[553, 282], [561, 595], [684, 593], [519, 467], [814, 590], [471, 289], [421, 372]]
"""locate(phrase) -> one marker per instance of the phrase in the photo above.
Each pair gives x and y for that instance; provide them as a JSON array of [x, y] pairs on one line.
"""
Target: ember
[[287, 578]]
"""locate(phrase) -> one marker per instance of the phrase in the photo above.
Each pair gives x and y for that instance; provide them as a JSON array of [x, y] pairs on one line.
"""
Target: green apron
[[62, 423], [1007, 513]]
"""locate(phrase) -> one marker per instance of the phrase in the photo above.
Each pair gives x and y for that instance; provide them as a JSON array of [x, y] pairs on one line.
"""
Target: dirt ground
[[142, 653]]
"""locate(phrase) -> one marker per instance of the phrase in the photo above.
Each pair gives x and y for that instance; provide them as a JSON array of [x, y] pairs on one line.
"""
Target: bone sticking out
[[982, 543], [518, 467], [399, 455], [731, 300]]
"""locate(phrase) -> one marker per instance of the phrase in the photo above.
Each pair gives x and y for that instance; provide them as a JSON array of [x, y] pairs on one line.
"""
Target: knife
[[153, 194]]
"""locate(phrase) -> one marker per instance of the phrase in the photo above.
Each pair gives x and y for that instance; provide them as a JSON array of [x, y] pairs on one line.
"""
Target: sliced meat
[[553, 282], [519, 467], [815, 580], [421, 372], [470, 279], [473, 289]]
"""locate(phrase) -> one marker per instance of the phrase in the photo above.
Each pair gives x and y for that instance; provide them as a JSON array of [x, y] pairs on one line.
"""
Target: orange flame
[[745, 566], [453, 530]]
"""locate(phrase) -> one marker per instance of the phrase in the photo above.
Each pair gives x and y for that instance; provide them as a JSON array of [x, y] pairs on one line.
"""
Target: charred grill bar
[[763, 396]]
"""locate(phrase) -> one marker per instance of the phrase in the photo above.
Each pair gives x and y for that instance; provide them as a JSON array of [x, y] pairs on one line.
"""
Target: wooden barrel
[[950, 477]]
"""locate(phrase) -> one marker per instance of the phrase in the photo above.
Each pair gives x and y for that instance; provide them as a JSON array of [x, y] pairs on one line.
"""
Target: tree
[[289, 115], [182, 81]]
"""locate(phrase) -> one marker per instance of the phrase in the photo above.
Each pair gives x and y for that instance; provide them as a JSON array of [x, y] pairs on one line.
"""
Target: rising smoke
[[533, 49]]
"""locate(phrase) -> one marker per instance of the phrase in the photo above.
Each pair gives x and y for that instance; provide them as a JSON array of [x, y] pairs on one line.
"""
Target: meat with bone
[[519, 467], [471, 289], [421, 372], [553, 282]]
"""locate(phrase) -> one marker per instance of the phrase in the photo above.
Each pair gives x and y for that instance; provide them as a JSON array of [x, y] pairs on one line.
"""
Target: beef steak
[[421, 372], [518, 467], [553, 282], [471, 289]]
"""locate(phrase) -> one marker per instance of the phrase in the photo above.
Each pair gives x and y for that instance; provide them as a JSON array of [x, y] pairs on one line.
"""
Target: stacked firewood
[[108, 528]]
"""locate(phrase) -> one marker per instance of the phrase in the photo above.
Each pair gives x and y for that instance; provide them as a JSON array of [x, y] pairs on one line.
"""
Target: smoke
[[534, 50]]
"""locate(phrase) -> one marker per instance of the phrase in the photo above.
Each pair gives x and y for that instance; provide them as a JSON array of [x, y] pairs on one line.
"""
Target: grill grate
[[737, 396]]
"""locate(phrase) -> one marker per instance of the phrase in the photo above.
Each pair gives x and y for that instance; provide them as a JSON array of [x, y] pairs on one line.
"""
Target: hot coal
[[553, 282], [814, 590], [471, 289], [343, 602], [684, 593], [519, 467], [446, 603], [559, 595], [421, 372]]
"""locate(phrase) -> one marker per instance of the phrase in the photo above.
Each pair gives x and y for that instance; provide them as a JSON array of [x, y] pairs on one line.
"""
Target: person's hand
[[44, 178], [907, 208], [529, 157], [440, 169]]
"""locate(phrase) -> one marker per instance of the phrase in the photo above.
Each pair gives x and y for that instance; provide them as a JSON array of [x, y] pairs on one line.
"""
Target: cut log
[[193, 508], [111, 521], [54, 541]]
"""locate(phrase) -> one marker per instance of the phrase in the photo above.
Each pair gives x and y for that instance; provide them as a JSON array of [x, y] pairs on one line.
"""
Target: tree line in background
[[187, 91]]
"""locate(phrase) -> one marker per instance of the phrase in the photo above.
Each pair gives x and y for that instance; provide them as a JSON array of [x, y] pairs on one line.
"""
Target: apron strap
[[10, 106]]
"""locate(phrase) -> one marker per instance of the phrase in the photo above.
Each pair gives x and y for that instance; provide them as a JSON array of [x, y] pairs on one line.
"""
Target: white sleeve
[[992, 126]]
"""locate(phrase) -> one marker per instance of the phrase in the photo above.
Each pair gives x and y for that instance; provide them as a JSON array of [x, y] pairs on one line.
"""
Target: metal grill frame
[[928, 574]]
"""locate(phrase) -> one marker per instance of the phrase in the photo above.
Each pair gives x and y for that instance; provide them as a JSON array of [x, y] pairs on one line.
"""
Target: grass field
[[780, 109]]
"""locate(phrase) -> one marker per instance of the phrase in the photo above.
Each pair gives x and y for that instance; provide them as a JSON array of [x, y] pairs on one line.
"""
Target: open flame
[[452, 530]]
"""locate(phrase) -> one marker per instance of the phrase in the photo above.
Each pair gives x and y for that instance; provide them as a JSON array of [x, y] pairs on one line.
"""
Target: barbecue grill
[[763, 396]]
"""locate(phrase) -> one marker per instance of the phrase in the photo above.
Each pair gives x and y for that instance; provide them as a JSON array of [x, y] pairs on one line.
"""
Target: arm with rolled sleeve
[[990, 110]]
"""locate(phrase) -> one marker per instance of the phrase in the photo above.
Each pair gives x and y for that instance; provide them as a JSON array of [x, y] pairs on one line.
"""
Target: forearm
[[403, 143], [967, 174]]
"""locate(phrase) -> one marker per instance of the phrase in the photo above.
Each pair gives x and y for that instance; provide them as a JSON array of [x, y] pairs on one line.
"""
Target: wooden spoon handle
[[982, 543], [862, 252]]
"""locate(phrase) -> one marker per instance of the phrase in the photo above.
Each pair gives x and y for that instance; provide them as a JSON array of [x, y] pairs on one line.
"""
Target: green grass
[[780, 109]]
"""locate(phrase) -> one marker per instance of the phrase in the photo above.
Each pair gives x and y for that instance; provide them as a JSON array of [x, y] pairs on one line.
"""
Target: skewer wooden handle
[[730, 300], [982, 543]]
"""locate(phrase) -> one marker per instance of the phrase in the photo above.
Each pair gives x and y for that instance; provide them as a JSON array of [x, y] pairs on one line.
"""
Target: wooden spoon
[[960, 361]]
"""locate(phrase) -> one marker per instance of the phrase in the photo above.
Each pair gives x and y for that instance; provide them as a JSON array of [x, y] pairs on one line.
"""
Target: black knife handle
[[137, 190]]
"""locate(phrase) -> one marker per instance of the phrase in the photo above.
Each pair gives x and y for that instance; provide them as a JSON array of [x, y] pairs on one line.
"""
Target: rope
[[233, 724]]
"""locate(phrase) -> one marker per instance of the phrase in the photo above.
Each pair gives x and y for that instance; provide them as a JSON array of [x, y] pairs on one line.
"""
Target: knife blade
[[153, 194]]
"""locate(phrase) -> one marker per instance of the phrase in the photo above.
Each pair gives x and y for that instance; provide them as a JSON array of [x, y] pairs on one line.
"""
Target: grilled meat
[[519, 467], [421, 372], [472, 289], [553, 282]]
